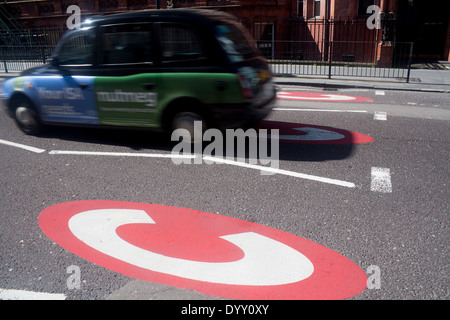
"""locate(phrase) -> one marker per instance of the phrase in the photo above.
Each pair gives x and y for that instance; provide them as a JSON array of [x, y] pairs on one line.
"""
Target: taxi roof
[[200, 15]]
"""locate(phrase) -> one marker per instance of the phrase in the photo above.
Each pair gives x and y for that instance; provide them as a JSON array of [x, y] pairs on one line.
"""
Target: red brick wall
[[266, 11], [344, 8]]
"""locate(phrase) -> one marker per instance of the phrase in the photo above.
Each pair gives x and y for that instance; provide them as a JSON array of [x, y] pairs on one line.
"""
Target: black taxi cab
[[159, 69]]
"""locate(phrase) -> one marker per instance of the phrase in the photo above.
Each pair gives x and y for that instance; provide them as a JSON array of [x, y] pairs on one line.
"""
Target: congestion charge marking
[[312, 134], [209, 253], [313, 96]]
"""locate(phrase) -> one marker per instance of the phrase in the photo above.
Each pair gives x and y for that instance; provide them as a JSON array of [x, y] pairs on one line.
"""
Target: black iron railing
[[339, 58], [317, 47]]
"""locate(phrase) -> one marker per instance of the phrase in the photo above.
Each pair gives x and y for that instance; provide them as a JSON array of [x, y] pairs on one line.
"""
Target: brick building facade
[[317, 21]]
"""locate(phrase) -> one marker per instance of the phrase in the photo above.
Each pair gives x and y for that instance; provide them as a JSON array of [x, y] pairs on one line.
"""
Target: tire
[[192, 131], [26, 117]]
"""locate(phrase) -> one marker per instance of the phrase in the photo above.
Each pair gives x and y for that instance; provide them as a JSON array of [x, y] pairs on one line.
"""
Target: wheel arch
[[35, 127], [184, 104], [16, 96]]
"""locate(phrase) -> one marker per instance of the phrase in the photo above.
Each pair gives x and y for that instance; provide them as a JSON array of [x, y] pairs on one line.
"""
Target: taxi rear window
[[126, 44], [235, 41], [180, 42]]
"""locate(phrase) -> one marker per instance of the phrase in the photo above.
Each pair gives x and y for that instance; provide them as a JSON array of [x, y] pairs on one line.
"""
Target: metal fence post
[[43, 54], [330, 55], [409, 60], [4, 59]]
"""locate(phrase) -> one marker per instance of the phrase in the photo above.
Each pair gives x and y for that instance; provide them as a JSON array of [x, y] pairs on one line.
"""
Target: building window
[[316, 8], [363, 5], [300, 8]]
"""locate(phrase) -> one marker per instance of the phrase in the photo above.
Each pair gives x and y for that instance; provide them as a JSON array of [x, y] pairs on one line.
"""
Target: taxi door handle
[[148, 86], [84, 85]]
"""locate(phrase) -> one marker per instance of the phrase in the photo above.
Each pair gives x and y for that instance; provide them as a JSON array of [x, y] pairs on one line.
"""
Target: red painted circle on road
[[312, 134], [210, 253], [314, 96]]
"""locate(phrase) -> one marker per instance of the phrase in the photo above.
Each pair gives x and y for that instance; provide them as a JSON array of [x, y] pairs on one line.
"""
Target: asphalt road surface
[[381, 202]]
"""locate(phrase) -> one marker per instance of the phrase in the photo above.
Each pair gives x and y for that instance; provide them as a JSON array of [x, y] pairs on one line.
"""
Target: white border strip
[[22, 146], [29, 295], [280, 171], [122, 154]]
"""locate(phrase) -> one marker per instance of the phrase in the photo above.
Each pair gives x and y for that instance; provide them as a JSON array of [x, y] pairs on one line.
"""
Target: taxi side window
[[126, 44], [78, 49], [180, 42]]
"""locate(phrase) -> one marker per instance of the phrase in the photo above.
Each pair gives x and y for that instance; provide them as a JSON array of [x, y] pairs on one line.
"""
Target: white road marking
[[323, 97], [283, 172], [319, 110], [21, 146], [121, 154], [7, 294], [381, 180], [380, 115], [379, 92], [265, 262], [355, 90], [213, 159]]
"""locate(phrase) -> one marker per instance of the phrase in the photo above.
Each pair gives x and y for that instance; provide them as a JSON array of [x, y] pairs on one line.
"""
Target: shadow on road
[[296, 141]]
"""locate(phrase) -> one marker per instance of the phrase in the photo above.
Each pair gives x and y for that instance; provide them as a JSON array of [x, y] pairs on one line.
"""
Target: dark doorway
[[424, 22]]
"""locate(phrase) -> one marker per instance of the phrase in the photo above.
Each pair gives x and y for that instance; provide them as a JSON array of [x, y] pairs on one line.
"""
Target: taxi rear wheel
[[26, 116], [192, 125]]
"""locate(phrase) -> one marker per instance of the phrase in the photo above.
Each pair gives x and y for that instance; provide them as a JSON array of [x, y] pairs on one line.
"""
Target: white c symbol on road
[[266, 261], [322, 97]]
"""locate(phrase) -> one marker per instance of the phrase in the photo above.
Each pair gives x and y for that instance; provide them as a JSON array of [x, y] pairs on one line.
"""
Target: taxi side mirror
[[54, 61]]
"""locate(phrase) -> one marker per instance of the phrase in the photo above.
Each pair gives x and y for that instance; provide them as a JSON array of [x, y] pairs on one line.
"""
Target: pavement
[[423, 78], [428, 80]]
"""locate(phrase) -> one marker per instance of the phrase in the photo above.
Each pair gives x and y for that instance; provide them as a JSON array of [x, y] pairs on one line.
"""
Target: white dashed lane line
[[381, 180], [8, 294], [269, 171], [380, 115], [121, 154], [22, 146]]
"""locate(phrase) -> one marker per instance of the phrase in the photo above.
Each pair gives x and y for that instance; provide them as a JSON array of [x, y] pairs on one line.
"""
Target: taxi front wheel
[[26, 117], [193, 126]]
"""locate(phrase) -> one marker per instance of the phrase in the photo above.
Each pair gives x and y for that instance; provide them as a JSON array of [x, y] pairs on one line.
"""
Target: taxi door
[[64, 91], [126, 88]]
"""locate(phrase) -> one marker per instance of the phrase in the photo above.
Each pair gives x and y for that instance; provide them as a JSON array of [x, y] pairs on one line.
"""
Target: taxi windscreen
[[236, 41]]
